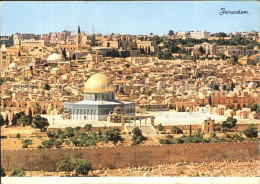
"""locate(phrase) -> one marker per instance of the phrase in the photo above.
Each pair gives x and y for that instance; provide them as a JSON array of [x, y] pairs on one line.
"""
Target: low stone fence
[[128, 156]]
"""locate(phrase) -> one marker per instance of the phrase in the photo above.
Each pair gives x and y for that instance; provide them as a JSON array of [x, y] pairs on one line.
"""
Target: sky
[[127, 17]]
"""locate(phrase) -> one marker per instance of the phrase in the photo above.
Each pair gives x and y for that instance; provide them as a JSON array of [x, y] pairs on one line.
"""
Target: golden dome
[[98, 83]]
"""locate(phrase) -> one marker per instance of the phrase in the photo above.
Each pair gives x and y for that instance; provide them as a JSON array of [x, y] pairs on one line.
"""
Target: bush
[[50, 134], [58, 143], [75, 142], [224, 130], [39, 147], [18, 136], [136, 141], [82, 167], [47, 144], [26, 142], [17, 172], [69, 132], [67, 143], [62, 136], [213, 135], [218, 128], [176, 130], [87, 128], [160, 127], [251, 131], [3, 174], [67, 165]]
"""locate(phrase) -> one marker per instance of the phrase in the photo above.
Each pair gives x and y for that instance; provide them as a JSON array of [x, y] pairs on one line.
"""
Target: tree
[[7, 120], [232, 86], [77, 128], [251, 131], [229, 123], [149, 50], [50, 134], [46, 87], [30, 116], [113, 135], [3, 174], [160, 127], [170, 32], [176, 130], [67, 165], [74, 57], [17, 172], [201, 50], [14, 120], [69, 131], [24, 120], [220, 34], [40, 122], [37, 108], [127, 65], [18, 136], [57, 143], [213, 135], [47, 144], [137, 137], [64, 53], [210, 101], [19, 53], [255, 107], [26, 143], [87, 128], [82, 167], [2, 121]]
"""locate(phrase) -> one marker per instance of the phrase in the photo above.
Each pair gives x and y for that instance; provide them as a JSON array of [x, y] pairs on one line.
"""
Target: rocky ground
[[181, 169]]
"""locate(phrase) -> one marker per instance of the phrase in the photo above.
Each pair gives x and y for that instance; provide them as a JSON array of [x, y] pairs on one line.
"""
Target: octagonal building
[[99, 101]]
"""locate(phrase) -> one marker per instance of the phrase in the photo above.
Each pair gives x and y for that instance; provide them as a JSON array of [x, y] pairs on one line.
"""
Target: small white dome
[[55, 57], [251, 85], [12, 65]]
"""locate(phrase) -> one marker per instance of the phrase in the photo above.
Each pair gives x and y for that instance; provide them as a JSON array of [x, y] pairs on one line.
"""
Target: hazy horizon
[[136, 18]]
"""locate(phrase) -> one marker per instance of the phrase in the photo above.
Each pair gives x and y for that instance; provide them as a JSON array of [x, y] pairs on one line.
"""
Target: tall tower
[[79, 38], [4, 61]]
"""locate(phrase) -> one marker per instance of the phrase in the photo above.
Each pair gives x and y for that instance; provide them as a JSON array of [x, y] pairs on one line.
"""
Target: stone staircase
[[148, 130]]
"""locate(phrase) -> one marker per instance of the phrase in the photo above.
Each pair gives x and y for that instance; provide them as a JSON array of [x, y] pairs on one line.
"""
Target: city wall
[[127, 156]]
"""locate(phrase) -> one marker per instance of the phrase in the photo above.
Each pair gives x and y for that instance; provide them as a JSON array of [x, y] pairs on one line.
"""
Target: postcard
[[130, 92]]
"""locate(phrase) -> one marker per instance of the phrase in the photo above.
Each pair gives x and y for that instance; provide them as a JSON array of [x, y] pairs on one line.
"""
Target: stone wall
[[121, 157]]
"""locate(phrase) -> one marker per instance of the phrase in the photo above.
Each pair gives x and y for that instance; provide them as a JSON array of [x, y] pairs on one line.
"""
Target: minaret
[[78, 42]]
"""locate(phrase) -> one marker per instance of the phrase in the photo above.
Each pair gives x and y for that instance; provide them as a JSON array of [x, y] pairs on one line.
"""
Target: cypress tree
[[149, 51], [210, 102], [2, 121], [7, 120], [30, 116], [14, 120]]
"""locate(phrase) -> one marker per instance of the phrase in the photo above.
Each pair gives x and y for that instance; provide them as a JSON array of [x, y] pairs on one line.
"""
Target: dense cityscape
[[195, 84]]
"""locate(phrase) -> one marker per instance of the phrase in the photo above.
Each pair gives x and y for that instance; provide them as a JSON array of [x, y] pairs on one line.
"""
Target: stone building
[[211, 49], [99, 101], [208, 125]]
